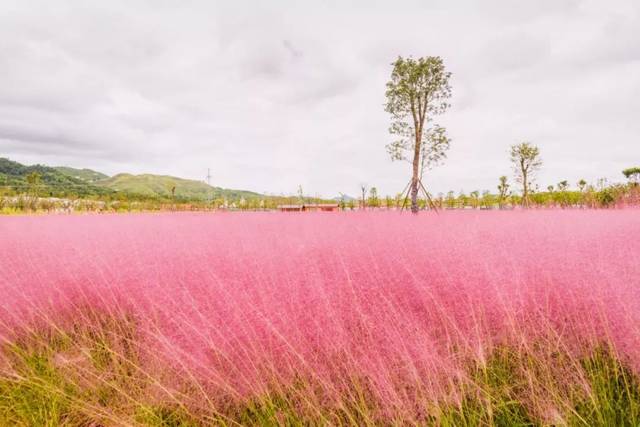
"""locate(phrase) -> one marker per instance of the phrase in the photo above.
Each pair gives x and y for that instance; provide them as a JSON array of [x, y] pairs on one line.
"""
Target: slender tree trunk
[[364, 200], [416, 173], [525, 192]]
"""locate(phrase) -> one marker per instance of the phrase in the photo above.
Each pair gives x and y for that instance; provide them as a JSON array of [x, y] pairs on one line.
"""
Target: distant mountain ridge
[[50, 181], [162, 185], [345, 198], [83, 174], [62, 181]]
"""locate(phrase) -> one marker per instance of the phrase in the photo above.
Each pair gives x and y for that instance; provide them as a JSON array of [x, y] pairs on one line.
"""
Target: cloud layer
[[272, 95]]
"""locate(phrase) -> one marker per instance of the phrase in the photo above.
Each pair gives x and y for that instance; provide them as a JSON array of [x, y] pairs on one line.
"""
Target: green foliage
[[165, 416], [41, 188], [36, 395], [93, 376], [494, 399], [582, 184], [44, 181], [606, 197], [87, 175], [614, 398], [503, 188], [162, 185], [502, 392], [373, 200], [525, 158], [73, 378], [632, 174], [417, 91]]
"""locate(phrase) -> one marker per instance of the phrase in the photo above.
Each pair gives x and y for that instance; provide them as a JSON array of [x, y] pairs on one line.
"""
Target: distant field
[[365, 318]]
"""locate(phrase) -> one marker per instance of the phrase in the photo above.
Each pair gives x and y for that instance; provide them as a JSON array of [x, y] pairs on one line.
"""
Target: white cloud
[[275, 94]]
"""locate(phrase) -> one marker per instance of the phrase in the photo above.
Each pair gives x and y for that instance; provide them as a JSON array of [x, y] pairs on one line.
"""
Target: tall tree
[[526, 162], [417, 92]]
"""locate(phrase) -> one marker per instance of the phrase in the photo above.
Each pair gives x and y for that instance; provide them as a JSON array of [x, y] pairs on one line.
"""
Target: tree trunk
[[414, 196], [364, 199], [525, 192], [415, 176]]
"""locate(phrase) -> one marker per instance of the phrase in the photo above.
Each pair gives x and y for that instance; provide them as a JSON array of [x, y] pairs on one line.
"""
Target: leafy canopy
[[632, 174], [526, 160], [503, 186], [418, 91]]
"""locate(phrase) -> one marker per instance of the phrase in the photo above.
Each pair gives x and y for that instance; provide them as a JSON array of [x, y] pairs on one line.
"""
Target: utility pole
[[209, 195]]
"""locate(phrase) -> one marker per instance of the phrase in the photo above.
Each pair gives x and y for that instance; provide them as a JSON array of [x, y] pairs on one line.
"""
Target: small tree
[[398, 200], [562, 189], [488, 199], [475, 198], [418, 91], [388, 202], [602, 183], [451, 200], [363, 189], [582, 184], [503, 190], [526, 162], [373, 197], [463, 198], [633, 175], [171, 188], [33, 181]]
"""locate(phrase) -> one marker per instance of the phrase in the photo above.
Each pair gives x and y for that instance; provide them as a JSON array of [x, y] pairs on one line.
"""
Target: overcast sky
[[271, 95]]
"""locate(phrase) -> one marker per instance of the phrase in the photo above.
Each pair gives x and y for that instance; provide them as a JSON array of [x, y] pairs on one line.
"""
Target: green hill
[[45, 181], [161, 185], [87, 175], [64, 181]]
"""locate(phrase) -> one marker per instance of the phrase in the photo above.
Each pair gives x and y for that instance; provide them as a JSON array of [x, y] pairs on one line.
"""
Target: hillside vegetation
[[161, 186], [44, 181], [63, 181], [83, 174]]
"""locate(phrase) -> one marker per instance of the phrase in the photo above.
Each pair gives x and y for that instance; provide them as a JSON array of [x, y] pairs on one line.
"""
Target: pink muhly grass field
[[233, 306]]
